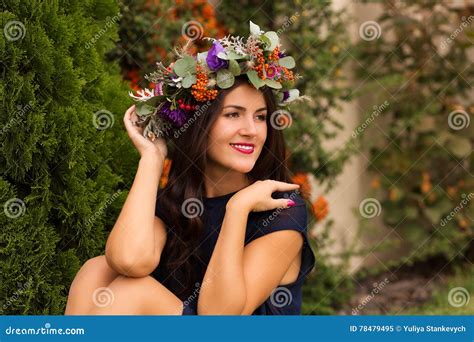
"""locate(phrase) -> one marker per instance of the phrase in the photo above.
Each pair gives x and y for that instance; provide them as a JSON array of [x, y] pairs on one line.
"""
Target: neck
[[218, 181]]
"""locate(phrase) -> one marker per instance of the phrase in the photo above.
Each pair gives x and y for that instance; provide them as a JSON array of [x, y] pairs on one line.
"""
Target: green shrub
[[61, 174]]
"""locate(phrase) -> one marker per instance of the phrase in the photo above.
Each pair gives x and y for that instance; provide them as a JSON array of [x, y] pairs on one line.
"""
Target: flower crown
[[187, 85]]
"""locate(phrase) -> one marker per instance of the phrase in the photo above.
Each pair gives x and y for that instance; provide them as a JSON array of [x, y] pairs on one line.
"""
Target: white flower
[[177, 81], [143, 95]]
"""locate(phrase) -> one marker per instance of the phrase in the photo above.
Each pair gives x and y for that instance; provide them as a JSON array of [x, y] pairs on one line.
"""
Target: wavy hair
[[180, 269]]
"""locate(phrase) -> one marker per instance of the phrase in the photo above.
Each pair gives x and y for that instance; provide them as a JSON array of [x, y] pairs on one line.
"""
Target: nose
[[248, 127]]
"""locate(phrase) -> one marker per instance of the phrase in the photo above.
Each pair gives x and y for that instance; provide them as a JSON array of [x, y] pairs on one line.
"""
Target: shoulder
[[292, 218], [292, 195]]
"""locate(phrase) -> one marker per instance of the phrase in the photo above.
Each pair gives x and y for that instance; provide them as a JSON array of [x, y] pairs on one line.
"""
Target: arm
[[225, 268], [251, 272], [137, 239], [135, 243]]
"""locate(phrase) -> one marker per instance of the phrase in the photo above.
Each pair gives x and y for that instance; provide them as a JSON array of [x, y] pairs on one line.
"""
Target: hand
[[142, 144], [258, 196]]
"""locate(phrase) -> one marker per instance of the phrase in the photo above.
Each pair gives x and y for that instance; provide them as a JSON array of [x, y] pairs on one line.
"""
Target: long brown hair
[[179, 261]]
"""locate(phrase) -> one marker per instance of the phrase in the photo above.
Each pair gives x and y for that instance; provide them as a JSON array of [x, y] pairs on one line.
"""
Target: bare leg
[[137, 296], [86, 287]]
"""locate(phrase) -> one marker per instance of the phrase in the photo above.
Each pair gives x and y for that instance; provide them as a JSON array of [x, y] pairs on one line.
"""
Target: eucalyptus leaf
[[229, 55], [144, 109], [274, 40], [201, 56], [185, 65], [254, 28], [287, 62], [188, 80], [225, 79], [234, 67], [272, 84], [256, 81]]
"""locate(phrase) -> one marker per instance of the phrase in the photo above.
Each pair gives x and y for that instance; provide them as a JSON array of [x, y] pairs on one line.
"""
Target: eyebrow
[[242, 108]]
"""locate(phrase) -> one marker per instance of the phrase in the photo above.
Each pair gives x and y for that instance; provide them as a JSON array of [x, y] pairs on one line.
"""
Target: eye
[[233, 114], [262, 117]]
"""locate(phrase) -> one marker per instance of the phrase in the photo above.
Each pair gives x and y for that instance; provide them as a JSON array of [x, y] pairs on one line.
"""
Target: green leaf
[[256, 81], [185, 65], [225, 79], [144, 109], [287, 62], [234, 67], [272, 84], [254, 29], [274, 40], [230, 55], [201, 56], [188, 80]]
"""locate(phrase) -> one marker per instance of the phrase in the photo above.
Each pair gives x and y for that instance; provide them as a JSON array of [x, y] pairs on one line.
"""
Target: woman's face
[[237, 136]]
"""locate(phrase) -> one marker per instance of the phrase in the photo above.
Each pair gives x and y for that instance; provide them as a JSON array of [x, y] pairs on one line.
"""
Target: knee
[[92, 268], [96, 262]]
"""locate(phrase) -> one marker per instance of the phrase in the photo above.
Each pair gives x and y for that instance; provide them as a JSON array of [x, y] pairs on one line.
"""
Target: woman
[[238, 279], [227, 235]]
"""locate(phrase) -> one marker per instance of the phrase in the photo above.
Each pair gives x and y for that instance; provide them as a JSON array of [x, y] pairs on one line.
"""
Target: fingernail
[[291, 203]]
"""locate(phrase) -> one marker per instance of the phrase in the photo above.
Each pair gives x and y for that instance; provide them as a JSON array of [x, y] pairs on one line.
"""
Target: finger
[[283, 203], [283, 186], [129, 112], [128, 117]]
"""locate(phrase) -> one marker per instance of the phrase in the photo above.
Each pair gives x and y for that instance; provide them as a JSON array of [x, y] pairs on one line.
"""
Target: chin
[[242, 166]]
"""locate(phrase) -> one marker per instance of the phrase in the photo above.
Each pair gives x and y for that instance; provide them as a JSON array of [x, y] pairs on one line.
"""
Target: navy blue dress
[[285, 299]]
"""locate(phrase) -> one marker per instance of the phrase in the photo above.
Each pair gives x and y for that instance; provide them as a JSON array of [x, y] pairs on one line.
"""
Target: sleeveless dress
[[285, 299]]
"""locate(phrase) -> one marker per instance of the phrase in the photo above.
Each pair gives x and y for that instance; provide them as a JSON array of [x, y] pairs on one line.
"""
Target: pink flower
[[273, 72]]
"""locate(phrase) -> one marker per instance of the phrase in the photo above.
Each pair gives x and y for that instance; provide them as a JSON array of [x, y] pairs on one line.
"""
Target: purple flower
[[176, 116], [281, 54], [214, 62], [286, 95]]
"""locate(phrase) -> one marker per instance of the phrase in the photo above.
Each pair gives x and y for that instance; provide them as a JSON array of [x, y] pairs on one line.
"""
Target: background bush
[[61, 174]]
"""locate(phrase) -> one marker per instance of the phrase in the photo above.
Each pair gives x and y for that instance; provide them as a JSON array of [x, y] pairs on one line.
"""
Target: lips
[[243, 147]]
